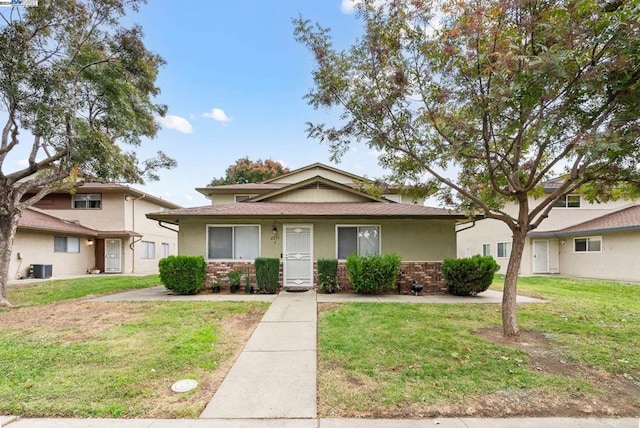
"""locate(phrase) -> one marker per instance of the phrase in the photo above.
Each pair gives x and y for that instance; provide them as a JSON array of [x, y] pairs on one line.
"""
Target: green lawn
[[383, 359], [61, 357], [39, 293]]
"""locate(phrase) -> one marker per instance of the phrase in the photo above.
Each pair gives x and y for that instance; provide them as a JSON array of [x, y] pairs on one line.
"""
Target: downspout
[[133, 227]]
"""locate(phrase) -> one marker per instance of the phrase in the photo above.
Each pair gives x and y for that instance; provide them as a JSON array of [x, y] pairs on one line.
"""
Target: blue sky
[[234, 83]]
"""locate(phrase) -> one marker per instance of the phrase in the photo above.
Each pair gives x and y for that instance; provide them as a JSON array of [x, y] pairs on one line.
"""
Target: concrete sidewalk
[[327, 423]]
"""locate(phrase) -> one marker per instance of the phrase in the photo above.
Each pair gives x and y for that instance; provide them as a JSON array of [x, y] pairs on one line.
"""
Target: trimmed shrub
[[470, 276], [328, 275], [182, 274], [373, 274], [267, 274]]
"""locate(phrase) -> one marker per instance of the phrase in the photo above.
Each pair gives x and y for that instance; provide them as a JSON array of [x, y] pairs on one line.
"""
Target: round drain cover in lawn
[[184, 385]]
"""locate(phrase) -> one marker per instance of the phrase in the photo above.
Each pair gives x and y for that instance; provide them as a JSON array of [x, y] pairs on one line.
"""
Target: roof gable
[[316, 189], [317, 169]]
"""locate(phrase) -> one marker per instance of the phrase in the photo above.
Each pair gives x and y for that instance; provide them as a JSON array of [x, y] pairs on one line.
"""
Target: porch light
[[90, 241], [274, 231]]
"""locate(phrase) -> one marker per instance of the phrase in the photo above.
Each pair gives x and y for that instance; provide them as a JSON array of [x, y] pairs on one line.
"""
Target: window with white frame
[[165, 250], [148, 249], [233, 242], [568, 201], [504, 249], [468, 250], [486, 249], [91, 201], [592, 244], [66, 244], [362, 240]]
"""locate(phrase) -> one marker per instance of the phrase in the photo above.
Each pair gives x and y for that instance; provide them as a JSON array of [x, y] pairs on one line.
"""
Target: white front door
[[112, 256], [540, 256], [298, 256]]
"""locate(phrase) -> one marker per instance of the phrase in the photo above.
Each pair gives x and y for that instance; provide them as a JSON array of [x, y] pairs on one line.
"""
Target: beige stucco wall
[[307, 174], [37, 248], [223, 199], [318, 195], [618, 259], [135, 211], [491, 232], [109, 217], [413, 240]]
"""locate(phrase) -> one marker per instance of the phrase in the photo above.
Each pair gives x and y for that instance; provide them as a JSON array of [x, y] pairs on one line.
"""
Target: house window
[[66, 244], [486, 249], [91, 201], [592, 244], [234, 242], [568, 201], [504, 249], [361, 240], [148, 250], [242, 198], [165, 249], [468, 250]]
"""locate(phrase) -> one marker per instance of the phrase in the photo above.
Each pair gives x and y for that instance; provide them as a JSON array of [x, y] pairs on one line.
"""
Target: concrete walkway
[[275, 375]]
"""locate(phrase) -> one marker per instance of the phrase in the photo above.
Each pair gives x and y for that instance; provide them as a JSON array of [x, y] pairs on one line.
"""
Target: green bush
[[182, 274], [373, 274], [470, 276], [328, 275], [267, 274]]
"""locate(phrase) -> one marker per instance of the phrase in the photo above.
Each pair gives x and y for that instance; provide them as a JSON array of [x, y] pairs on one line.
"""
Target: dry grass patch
[[112, 359]]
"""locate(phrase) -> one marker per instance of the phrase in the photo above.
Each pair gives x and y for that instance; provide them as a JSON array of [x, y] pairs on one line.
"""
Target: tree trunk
[[8, 226], [509, 317]]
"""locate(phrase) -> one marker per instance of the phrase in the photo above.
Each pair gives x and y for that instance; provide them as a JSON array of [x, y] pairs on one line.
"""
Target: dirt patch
[[70, 321]]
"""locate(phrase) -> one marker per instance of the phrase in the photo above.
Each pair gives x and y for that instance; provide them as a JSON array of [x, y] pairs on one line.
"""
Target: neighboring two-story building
[[101, 227], [579, 238], [314, 212]]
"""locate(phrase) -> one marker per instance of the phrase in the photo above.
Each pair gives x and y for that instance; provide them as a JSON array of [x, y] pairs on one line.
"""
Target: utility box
[[42, 271]]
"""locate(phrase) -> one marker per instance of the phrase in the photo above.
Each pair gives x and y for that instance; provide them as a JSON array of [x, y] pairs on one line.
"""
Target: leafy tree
[[489, 99], [75, 87], [248, 171]]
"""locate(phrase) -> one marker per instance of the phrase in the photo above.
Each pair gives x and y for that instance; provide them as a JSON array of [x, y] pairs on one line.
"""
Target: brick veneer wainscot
[[428, 274]]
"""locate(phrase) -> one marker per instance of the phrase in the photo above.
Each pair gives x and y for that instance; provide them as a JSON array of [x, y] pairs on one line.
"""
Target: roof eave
[[558, 234]]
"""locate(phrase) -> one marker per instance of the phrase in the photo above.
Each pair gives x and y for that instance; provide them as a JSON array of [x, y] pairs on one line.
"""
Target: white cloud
[[218, 115], [166, 195], [23, 163], [188, 197], [348, 6], [176, 122]]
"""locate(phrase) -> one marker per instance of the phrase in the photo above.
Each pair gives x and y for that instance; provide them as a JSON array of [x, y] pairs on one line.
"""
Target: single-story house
[[314, 212]]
